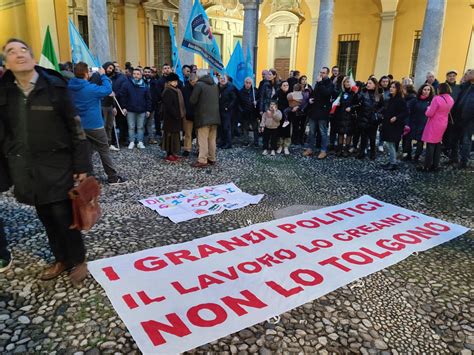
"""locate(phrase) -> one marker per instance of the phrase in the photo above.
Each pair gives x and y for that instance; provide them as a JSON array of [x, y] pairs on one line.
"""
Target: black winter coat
[[464, 106], [44, 142], [417, 119], [266, 93], [395, 107], [322, 95], [345, 121], [246, 99], [187, 91], [172, 121], [227, 98], [5, 181], [370, 109]]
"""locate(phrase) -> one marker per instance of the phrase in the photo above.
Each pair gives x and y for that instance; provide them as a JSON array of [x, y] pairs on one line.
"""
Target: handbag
[[85, 204]]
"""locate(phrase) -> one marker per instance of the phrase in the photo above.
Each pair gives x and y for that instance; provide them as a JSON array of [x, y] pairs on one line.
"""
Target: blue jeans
[[392, 152], [322, 126], [136, 120], [150, 125]]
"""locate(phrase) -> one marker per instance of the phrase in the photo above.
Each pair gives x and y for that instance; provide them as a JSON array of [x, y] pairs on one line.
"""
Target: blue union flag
[[198, 37]]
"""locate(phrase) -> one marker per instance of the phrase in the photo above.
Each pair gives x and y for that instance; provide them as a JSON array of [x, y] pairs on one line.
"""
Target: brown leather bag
[[85, 204]]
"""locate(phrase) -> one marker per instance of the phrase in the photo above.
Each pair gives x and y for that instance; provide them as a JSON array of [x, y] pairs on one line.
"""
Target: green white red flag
[[48, 55]]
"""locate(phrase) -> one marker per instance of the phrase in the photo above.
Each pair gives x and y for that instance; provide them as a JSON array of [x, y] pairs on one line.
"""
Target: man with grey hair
[[205, 99], [46, 151], [430, 79]]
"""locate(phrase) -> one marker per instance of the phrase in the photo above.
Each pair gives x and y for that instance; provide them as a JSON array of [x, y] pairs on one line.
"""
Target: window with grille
[[348, 53], [162, 45], [83, 28], [414, 53]]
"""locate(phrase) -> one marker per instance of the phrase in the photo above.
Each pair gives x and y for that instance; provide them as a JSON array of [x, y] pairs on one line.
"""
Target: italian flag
[[354, 87], [48, 56], [335, 103]]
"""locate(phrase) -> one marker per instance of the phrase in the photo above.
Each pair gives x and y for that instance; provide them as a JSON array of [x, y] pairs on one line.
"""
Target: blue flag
[[174, 53], [237, 67], [79, 49], [198, 37], [248, 62]]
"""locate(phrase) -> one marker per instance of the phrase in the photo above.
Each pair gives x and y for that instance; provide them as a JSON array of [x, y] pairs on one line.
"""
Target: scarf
[[139, 83], [182, 107]]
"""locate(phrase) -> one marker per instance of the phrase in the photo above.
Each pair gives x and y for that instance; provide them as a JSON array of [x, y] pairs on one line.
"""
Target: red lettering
[[232, 275], [153, 329], [307, 223], [337, 218], [392, 245], [323, 221], [195, 318], [437, 227], [288, 227], [355, 233], [407, 238], [367, 229], [267, 260], [379, 225], [343, 212], [254, 267], [373, 253], [401, 217], [181, 290], [253, 237], [110, 273], [206, 280], [283, 291], [333, 261], [390, 221], [176, 256], [342, 237], [373, 203], [268, 233], [285, 254], [364, 207], [352, 257], [236, 304], [147, 300], [354, 210], [205, 250], [155, 264], [130, 301], [423, 232], [316, 278]]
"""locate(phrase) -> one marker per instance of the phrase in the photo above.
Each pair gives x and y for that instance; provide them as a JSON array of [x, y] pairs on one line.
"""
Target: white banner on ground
[[206, 201], [178, 297]]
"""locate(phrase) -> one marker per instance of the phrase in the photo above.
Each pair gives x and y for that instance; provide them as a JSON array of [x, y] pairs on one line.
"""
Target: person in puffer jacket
[[269, 125]]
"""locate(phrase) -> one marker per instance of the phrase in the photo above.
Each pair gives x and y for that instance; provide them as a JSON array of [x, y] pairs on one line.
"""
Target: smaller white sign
[[206, 201]]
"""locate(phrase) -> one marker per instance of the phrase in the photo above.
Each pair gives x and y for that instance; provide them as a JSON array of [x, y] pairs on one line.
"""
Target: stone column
[[131, 32], [384, 49], [250, 33], [322, 55], [185, 7], [430, 44], [470, 52], [98, 29]]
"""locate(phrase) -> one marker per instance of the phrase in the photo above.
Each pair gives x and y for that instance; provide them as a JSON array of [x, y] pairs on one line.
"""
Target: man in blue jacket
[[87, 100]]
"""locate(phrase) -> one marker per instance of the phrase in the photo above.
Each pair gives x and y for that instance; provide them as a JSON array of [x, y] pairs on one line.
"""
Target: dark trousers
[[108, 116], [270, 137], [408, 147], [368, 134], [98, 141], [462, 142], [249, 119], [122, 125], [299, 127], [225, 129], [4, 253], [433, 155], [332, 131], [356, 137], [66, 244]]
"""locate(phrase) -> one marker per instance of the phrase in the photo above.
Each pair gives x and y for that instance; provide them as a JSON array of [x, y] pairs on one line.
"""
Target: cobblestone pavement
[[424, 304]]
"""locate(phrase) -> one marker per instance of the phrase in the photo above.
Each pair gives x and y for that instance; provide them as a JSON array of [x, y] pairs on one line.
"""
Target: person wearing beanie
[[174, 112]]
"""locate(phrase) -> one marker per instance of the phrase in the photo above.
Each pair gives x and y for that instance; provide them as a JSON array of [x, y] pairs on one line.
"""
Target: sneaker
[[322, 155], [152, 141], [171, 158], [272, 153], [131, 145], [5, 265], [117, 180], [140, 145], [380, 149], [265, 152], [113, 148], [279, 150], [287, 152]]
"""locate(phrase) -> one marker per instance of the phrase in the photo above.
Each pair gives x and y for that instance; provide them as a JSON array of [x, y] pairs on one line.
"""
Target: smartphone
[[95, 69]]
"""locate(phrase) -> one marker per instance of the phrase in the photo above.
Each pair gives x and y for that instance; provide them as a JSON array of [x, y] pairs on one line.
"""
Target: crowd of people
[[51, 122]]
